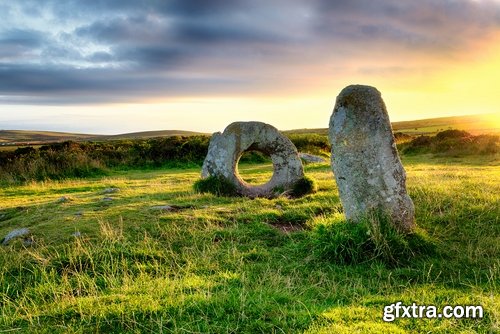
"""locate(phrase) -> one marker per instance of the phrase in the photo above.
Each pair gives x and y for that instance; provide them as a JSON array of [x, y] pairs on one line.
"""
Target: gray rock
[[63, 199], [14, 234], [226, 149], [311, 157], [107, 199], [163, 208], [76, 234], [110, 191], [365, 160], [29, 241]]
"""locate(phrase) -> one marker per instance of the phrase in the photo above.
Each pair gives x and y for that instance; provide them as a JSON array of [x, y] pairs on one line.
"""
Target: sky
[[116, 66]]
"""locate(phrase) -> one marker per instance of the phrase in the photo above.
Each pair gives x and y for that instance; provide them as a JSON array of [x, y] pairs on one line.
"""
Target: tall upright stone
[[365, 161]]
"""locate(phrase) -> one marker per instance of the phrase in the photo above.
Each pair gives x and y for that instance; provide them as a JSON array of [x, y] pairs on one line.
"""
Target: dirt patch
[[287, 228]]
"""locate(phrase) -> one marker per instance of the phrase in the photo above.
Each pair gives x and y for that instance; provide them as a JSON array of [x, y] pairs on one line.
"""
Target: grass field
[[478, 124], [235, 265], [22, 137], [39, 136]]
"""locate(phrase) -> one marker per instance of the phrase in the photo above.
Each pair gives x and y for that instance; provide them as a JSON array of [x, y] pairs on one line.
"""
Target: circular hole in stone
[[255, 167]]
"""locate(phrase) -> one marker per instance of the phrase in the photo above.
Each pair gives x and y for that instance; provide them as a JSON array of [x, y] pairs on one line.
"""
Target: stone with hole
[[365, 160], [226, 148]]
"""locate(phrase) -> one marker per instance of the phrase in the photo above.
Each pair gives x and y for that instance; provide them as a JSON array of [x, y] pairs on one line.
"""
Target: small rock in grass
[[14, 234], [79, 214], [76, 234], [107, 199], [110, 190], [163, 207], [29, 241], [310, 157], [63, 199]]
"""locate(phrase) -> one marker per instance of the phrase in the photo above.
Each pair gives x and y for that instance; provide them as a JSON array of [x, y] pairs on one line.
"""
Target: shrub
[[420, 144], [304, 186], [453, 143], [254, 157], [311, 143], [454, 134], [486, 144], [401, 137], [80, 159]]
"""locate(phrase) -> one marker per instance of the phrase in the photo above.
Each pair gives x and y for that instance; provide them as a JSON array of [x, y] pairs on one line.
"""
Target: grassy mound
[[373, 238], [216, 185]]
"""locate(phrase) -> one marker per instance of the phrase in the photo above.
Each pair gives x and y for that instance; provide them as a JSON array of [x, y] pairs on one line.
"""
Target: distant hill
[[474, 124], [40, 137], [152, 134]]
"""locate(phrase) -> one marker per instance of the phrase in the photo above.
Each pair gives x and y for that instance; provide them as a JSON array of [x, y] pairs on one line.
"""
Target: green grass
[[235, 265], [475, 124]]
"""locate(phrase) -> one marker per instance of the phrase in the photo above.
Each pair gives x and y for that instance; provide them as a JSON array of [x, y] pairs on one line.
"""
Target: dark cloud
[[20, 37], [154, 57], [212, 31], [100, 57], [19, 43], [66, 85], [203, 7], [123, 29], [429, 24], [119, 50]]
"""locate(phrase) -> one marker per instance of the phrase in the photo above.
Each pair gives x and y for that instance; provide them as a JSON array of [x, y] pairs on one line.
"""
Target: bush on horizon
[[453, 143]]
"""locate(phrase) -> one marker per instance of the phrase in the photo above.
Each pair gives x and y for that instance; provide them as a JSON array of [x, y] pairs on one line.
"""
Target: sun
[[493, 120]]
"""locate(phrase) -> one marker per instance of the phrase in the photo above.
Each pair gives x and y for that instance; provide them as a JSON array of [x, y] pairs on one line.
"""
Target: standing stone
[[365, 161]]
